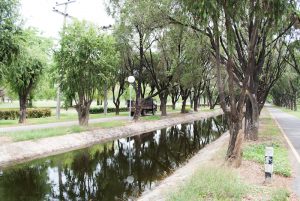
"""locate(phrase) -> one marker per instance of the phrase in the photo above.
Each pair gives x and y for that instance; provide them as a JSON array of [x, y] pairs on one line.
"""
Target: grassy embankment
[[219, 182], [50, 132], [42, 133]]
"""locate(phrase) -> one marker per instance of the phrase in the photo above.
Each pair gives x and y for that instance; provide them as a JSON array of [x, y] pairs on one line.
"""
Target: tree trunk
[[23, 103], [163, 103], [234, 152], [105, 99], [173, 106], [251, 120], [196, 100], [138, 102], [83, 111], [117, 108], [183, 110], [295, 102], [191, 100]]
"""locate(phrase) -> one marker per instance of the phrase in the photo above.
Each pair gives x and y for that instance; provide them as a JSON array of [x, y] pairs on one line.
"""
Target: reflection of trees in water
[[100, 173], [26, 183]]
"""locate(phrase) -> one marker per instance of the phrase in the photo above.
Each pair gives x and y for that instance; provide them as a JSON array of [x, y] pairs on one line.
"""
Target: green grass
[[256, 152], [270, 129], [280, 195], [37, 134], [280, 160], [52, 119], [151, 118], [212, 184], [51, 132], [110, 124]]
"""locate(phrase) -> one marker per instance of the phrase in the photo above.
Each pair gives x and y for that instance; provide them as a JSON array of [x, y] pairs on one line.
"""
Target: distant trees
[[26, 68], [84, 61]]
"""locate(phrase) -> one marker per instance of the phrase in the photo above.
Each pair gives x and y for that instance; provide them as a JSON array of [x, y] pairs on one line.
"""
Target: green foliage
[[109, 110], [212, 184], [85, 60], [24, 72], [281, 163], [31, 113], [8, 31]]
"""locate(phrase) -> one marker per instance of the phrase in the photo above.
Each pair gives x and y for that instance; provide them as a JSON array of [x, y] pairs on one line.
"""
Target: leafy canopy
[[86, 60]]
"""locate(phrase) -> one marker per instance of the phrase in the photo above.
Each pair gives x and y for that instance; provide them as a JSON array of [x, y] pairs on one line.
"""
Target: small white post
[[269, 163]]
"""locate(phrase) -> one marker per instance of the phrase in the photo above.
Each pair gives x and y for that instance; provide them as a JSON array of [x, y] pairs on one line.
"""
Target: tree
[[8, 32], [241, 34], [84, 61], [138, 20], [25, 70]]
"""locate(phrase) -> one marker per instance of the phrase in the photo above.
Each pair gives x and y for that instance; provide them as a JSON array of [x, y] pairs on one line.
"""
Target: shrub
[[109, 110], [31, 113]]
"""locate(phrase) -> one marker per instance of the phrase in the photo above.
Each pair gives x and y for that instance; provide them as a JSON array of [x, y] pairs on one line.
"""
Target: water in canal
[[117, 170]]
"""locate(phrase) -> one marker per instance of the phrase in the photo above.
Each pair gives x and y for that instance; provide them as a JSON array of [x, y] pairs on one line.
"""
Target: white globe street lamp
[[131, 80]]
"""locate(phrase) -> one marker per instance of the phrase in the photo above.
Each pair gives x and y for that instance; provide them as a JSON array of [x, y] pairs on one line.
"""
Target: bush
[[31, 113], [109, 110]]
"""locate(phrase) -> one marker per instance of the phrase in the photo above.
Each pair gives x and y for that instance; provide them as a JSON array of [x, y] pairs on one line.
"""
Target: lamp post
[[130, 178], [131, 80]]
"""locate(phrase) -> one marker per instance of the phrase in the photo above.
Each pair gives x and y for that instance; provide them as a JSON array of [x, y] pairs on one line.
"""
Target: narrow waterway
[[117, 170]]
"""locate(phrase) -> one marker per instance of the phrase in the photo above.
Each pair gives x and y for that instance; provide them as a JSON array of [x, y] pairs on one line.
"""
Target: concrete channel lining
[[19, 152]]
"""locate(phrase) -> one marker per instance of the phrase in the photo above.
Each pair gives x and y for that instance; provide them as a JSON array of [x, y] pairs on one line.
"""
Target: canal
[[118, 170]]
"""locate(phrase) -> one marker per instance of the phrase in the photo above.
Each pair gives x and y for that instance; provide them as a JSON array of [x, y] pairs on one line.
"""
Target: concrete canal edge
[[184, 173], [18, 152]]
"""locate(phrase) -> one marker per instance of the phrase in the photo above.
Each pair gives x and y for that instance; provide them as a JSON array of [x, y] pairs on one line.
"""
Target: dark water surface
[[117, 170]]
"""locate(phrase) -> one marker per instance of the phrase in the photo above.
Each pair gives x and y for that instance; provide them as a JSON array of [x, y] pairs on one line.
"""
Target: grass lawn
[[52, 119], [50, 132]]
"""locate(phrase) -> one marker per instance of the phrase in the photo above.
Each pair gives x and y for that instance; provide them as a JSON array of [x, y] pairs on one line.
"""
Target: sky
[[39, 14]]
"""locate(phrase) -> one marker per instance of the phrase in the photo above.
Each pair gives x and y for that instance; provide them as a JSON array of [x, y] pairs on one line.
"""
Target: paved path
[[59, 124], [291, 127]]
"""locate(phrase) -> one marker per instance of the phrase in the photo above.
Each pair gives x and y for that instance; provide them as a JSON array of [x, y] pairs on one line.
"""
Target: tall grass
[[212, 184]]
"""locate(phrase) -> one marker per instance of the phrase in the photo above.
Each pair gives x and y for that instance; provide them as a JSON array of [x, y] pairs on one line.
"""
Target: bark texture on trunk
[[183, 110], [105, 99], [83, 111], [234, 152], [251, 118], [196, 105], [23, 104], [117, 109], [163, 103]]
